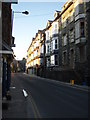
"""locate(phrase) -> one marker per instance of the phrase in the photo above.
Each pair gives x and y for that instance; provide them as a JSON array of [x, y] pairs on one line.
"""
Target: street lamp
[[25, 12]]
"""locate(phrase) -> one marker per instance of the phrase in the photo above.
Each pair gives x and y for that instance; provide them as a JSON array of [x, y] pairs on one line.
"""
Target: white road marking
[[13, 87], [25, 93]]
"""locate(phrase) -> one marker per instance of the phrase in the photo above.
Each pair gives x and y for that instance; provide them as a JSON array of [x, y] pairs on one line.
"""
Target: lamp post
[[13, 12], [10, 59]]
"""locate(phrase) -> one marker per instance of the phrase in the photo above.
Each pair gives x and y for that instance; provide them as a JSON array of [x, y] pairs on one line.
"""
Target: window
[[35, 53], [77, 30], [65, 40], [0, 13], [31, 56], [64, 24], [47, 35], [72, 58], [48, 62], [64, 57], [48, 49], [29, 59], [71, 16], [31, 63], [76, 8], [67, 21], [82, 53], [71, 35], [34, 62], [56, 59], [31, 49], [42, 49], [82, 29], [41, 61], [55, 28], [52, 60], [40, 36], [51, 45], [56, 44], [37, 44]]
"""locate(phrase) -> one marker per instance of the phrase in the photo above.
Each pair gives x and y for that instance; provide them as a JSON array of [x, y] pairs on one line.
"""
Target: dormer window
[[56, 14]]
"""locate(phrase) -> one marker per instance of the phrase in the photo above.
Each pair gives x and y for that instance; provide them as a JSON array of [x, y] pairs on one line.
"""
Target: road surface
[[45, 99]]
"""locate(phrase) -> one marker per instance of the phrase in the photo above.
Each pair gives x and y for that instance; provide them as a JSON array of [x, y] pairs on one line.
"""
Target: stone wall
[[64, 75]]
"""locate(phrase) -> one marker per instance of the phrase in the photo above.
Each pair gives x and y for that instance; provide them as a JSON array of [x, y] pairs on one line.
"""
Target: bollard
[[83, 83], [8, 96], [72, 82]]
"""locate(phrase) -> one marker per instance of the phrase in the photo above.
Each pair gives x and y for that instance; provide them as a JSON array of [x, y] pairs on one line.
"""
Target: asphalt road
[[46, 99]]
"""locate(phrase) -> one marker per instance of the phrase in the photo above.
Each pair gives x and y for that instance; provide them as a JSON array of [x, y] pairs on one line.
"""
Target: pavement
[[20, 99], [80, 87], [17, 106], [0, 100]]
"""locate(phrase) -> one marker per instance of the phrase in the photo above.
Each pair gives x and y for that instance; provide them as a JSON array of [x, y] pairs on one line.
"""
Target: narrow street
[[46, 99]]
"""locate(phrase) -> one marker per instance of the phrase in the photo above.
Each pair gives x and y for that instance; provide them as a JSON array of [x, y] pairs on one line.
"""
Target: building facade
[[66, 39], [6, 51], [73, 36], [35, 53], [67, 35], [0, 62], [87, 5], [54, 53], [48, 33]]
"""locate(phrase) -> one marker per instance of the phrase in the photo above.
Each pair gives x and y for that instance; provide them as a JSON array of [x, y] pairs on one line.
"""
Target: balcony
[[47, 41], [55, 33], [55, 51], [41, 55], [47, 54], [80, 41]]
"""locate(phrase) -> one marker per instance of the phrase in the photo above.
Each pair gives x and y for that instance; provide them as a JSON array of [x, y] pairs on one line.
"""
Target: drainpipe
[[4, 79]]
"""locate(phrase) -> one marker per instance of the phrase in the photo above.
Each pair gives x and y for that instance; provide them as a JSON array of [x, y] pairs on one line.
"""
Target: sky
[[25, 27]]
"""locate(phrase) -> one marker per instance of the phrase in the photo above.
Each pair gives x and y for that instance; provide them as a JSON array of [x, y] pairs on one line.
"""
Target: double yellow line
[[34, 108]]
